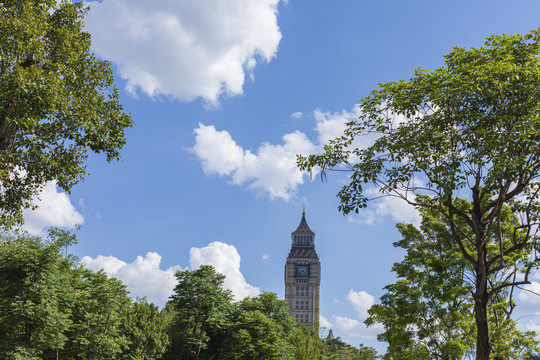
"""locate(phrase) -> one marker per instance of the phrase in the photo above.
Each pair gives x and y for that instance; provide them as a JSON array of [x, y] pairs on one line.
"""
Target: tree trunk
[[483, 347]]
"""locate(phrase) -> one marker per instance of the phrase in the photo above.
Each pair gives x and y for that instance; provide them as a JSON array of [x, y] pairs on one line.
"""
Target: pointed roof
[[306, 250], [303, 228], [330, 335]]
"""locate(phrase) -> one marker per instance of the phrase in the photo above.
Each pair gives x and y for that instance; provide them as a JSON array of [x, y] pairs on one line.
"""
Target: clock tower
[[303, 276]]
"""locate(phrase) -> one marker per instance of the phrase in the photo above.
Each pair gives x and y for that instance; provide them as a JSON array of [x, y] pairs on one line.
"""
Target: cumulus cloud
[[185, 49], [357, 329], [54, 209], [361, 302], [331, 125], [226, 260], [143, 276], [271, 170]]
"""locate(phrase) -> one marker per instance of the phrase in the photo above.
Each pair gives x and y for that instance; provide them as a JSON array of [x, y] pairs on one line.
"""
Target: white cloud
[[531, 294], [54, 209], [361, 302], [297, 115], [226, 260], [323, 322], [109, 264], [185, 49], [356, 329], [531, 326], [143, 277], [271, 170], [265, 256], [331, 125], [395, 208]]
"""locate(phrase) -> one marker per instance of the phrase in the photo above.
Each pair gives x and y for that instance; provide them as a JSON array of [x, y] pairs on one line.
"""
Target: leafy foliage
[[203, 322], [336, 349], [57, 101], [145, 332], [201, 306], [52, 308], [307, 346], [428, 312], [258, 327], [32, 294], [469, 129]]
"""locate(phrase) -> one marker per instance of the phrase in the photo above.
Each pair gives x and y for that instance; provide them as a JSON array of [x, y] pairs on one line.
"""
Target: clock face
[[302, 270]]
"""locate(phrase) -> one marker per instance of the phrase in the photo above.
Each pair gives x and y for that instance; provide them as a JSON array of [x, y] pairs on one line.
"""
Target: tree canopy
[[428, 312], [52, 308], [57, 101], [468, 129]]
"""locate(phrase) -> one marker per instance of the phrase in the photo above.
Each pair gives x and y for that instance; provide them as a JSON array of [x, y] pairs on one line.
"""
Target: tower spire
[[303, 276]]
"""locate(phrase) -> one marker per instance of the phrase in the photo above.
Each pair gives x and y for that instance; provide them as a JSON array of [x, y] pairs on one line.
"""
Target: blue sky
[[223, 95]]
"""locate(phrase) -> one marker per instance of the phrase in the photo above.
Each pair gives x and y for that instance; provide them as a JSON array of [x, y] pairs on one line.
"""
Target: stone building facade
[[303, 276]]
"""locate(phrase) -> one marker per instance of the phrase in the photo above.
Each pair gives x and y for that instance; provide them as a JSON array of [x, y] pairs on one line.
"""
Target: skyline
[[224, 95]]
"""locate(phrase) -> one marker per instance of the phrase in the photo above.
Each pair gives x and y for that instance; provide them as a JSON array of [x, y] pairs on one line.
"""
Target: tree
[[201, 305], [467, 129], [33, 291], [428, 312], [98, 307], [367, 353], [270, 306], [52, 308], [257, 328], [144, 329], [255, 336], [307, 346], [57, 101], [336, 349]]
